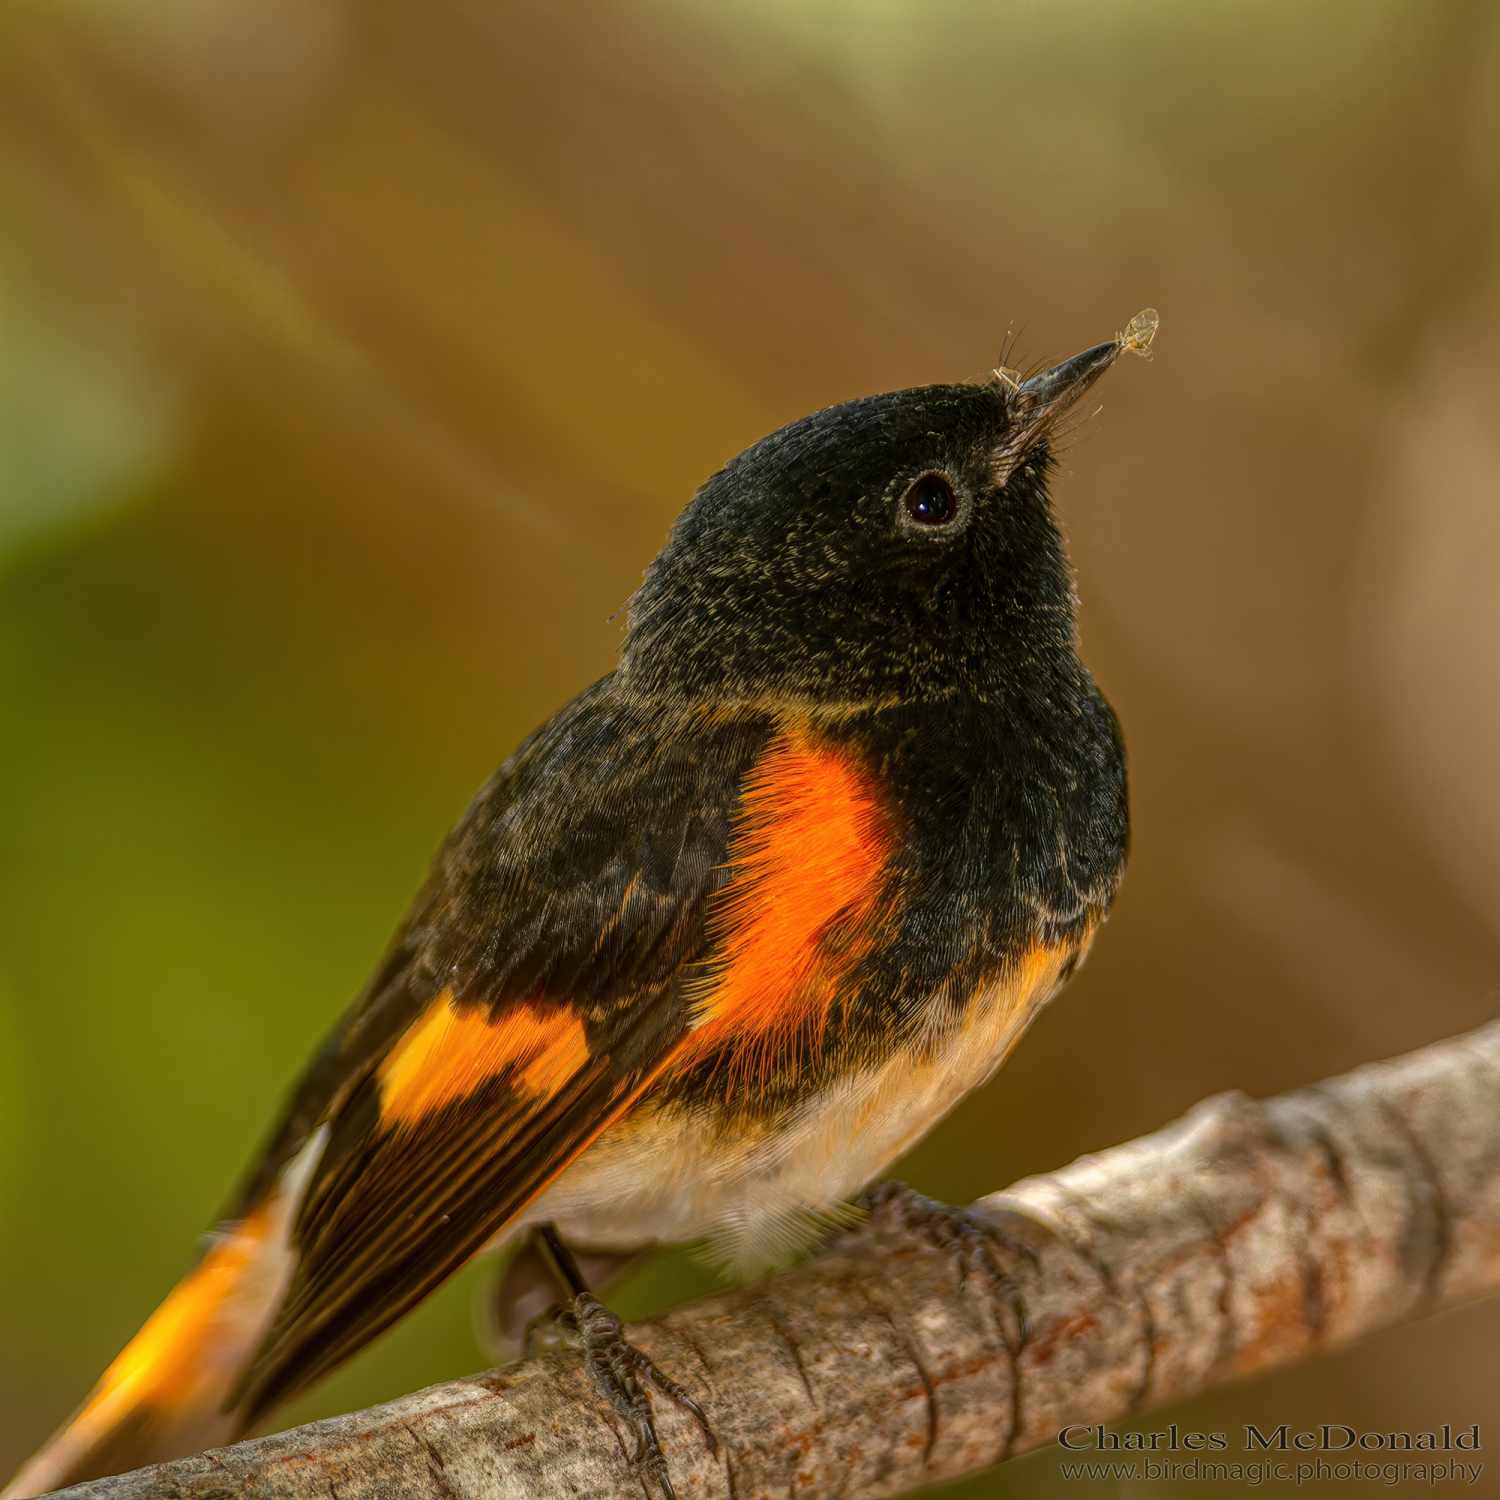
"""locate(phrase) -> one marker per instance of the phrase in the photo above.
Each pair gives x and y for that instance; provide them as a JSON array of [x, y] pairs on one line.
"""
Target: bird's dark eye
[[930, 501]]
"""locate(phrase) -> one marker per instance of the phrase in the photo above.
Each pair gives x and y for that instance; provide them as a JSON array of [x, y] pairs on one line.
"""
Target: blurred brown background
[[354, 358]]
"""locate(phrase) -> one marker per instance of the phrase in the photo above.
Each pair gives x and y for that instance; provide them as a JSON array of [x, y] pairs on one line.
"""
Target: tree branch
[[1241, 1237]]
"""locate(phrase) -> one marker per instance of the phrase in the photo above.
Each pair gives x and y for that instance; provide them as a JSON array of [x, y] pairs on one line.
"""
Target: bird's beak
[[1037, 405]]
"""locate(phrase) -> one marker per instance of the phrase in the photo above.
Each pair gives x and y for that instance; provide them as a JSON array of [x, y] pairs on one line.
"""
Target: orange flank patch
[[451, 1052], [804, 906]]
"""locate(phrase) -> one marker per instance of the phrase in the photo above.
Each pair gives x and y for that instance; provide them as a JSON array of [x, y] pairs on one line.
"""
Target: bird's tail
[[165, 1395]]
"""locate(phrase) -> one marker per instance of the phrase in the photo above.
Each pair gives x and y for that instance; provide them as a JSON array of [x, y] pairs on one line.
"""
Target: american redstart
[[716, 944]]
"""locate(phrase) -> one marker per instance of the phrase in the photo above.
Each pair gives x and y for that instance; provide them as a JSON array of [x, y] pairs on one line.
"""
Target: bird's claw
[[958, 1233], [623, 1375]]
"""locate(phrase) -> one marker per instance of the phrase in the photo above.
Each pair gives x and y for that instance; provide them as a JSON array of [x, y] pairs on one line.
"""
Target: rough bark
[[1243, 1236]]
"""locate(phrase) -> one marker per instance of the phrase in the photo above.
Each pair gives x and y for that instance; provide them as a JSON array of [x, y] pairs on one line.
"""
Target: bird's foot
[[518, 1311], [969, 1242], [625, 1376]]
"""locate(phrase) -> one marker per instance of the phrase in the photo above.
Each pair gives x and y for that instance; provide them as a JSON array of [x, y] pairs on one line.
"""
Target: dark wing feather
[[563, 910]]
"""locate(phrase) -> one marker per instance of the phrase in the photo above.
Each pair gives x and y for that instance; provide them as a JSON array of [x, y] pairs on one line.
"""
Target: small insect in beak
[[1038, 404]]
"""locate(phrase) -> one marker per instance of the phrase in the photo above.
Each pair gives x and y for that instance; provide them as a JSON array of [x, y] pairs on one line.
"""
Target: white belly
[[757, 1197]]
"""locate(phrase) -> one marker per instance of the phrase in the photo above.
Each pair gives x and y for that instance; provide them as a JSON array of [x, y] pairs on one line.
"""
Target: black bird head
[[893, 548]]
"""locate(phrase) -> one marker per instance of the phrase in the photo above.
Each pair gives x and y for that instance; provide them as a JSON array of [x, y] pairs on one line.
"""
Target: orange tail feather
[[164, 1396]]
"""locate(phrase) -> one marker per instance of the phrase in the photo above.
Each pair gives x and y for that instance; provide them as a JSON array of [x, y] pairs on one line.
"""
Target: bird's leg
[[519, 1310], [622, 1373]]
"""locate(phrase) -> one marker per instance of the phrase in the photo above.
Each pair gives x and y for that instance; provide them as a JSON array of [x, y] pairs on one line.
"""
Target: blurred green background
[[356, 354]]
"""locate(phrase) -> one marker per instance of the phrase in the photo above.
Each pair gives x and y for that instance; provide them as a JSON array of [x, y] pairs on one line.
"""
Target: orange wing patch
[[450, 1053], [804, 907]]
